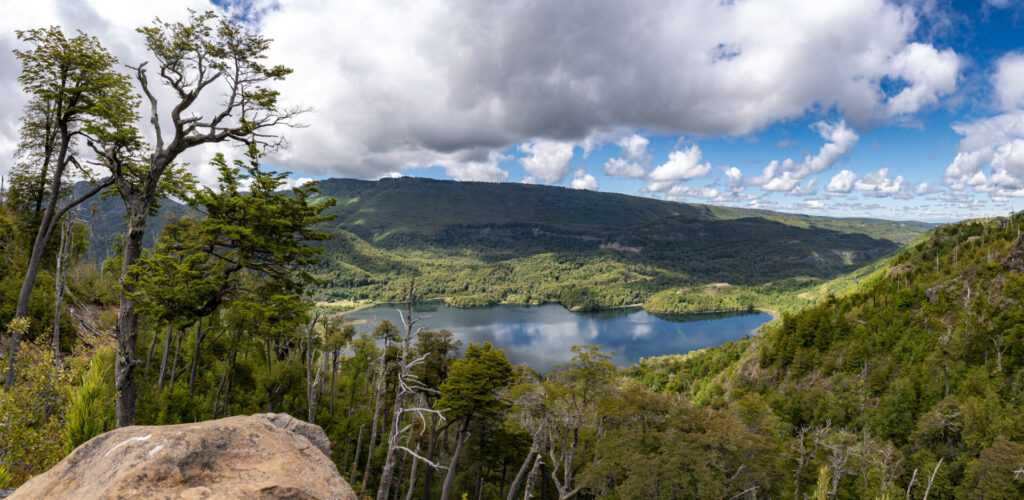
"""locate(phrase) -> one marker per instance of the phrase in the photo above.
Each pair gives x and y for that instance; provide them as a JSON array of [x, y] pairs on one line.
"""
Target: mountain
[[922, 361], [481, 243], [106, 217]]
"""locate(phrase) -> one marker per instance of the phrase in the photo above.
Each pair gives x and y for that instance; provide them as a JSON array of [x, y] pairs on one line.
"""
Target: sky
[[851, 108]]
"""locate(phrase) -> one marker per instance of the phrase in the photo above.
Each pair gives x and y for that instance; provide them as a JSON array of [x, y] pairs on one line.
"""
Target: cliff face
[[254, 457]]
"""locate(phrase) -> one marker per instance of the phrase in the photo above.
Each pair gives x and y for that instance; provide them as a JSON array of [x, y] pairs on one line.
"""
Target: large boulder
[[253, 457]]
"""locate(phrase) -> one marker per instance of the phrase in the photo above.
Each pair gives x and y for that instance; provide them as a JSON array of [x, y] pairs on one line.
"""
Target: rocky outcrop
[[1014, 260], [253, 457]]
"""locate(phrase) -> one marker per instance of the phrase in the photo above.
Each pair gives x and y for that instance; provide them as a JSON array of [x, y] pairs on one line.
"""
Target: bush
[[90, 409]]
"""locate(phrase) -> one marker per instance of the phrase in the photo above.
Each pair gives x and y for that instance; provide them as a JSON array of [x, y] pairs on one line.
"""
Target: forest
[[901, 378]]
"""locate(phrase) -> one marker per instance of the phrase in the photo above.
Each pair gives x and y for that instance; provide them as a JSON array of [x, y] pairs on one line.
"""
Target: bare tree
[[931, 479], [311, 383], [61, 279], [193, 58], [1000, 349], [530, 413], [408, 384], [803, 452]]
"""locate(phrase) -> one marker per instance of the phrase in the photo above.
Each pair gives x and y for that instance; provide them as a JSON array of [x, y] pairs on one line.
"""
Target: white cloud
[[486, 171], [809, 189], [619, 167], [996, 142], [735, 176], [633, 159], [930, 74], [1008, 81], [582, 180], [548, 161], [458, 80], [925, 188], [878, 184], [681, 165], [785, 176], [680, 191], [841, 182]]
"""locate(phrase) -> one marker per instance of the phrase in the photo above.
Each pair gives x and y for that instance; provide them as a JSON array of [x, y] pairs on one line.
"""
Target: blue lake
[[542, 335]]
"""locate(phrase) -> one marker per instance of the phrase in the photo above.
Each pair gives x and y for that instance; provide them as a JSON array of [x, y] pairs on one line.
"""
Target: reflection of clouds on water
[[641, 330], [542, 336]]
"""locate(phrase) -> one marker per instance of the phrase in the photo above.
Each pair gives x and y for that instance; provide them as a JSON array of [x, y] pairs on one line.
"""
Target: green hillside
[[481, 243], [925, 356], [484, 243]]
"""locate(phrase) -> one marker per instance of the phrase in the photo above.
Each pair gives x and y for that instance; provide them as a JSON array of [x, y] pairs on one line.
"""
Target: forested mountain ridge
[[922, 362], [481, 243], [478, 243]]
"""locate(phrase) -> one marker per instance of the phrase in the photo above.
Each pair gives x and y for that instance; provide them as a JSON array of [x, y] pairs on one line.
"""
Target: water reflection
[[542, 335]]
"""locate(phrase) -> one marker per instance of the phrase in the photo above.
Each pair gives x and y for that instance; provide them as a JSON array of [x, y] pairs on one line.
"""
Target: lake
[[542, 335]]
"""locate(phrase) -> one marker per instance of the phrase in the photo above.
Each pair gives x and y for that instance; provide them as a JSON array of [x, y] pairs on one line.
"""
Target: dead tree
[[61, 279], [531, 415], [407, 385], [931, 479], [311, 382]]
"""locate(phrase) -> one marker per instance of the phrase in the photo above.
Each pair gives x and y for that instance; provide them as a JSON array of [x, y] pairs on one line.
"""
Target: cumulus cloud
[[996, 142], [463, 79], [879, 185], [682, 165], [930, 74], [546, 160], [633, 159], [841, 182], [786, 176], [582, 180], [1008, 81]]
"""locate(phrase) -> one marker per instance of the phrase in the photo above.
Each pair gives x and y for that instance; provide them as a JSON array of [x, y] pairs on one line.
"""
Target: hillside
[[925, 356], [482, 243]]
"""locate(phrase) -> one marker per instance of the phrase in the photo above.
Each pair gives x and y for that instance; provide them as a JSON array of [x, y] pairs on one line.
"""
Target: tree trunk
[[46, 226], [449, 478], [195, 358], [428, 473], [531, 480], [163, 358], [518, 481], [227, 388], [310, 383], [355, 459], [149, 355], [412, 475], [334, 373], [376, 419], [174, 362], [63, 255], [127, 319]]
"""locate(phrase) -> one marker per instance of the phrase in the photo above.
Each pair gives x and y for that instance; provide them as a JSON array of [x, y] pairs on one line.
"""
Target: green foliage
[[90, 410], [471, 389], [821, 486], [31, 427], [877, 360]]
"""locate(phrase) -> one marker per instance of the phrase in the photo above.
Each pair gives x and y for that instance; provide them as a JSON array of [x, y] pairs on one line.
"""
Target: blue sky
[[902, 110]]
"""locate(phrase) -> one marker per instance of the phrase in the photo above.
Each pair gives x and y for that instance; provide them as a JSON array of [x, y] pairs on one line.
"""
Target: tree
[[407, 385], [472, 392], [193, 58], [573, 393], [75, 91]]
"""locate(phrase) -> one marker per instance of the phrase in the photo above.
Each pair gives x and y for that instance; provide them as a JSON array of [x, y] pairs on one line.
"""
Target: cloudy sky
[[901, 110]]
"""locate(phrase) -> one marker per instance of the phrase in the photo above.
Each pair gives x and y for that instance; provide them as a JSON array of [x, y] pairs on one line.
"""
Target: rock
[[1014, 260], [312, 432], [254, 457]]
